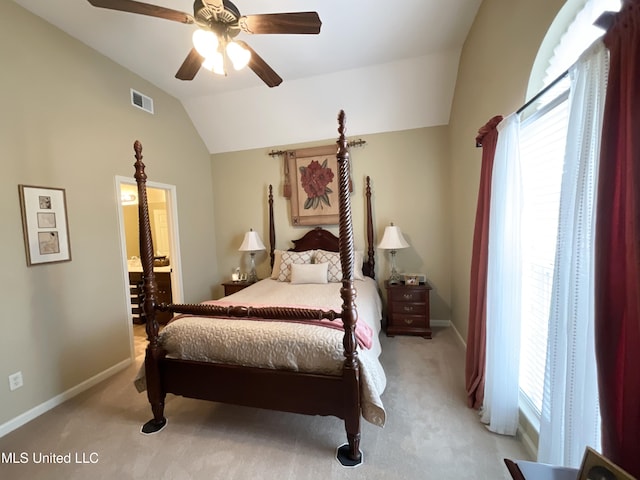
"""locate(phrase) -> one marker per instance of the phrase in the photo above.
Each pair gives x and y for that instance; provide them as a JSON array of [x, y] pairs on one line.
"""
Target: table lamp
[[252, 244], [393, 240]]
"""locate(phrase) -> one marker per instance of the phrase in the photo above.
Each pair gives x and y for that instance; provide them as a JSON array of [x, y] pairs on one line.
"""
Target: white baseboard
[[35, 412], [459, 337], [440, 323]]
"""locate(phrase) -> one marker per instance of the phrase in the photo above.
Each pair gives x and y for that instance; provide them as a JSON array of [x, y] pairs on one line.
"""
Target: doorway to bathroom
[[161, 200]]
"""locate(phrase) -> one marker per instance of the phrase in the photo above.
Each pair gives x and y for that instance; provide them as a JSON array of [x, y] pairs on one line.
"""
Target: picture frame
[[44, 224], [411, 280], [597, 467], [313, 176], [414, 278]]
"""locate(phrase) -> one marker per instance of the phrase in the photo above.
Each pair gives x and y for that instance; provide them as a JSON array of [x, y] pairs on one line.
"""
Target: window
[[543, 138], [542, 145]]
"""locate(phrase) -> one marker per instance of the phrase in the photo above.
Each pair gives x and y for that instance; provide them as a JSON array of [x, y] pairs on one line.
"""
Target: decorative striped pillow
[[334, 268], [289, 258]]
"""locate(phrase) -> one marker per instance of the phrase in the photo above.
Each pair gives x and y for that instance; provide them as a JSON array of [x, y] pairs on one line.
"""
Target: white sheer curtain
[[570, 412], [504, 272]]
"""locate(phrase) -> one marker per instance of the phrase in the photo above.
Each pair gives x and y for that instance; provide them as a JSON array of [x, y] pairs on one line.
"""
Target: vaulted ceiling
[[358, 39]]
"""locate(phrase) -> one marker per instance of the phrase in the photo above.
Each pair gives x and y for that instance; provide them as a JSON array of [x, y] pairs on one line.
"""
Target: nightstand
[[233, 287], [408, 310]]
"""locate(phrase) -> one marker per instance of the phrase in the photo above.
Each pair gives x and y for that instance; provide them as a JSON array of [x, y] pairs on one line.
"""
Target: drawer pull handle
[[408, 321], [407, 296], [408, 309]]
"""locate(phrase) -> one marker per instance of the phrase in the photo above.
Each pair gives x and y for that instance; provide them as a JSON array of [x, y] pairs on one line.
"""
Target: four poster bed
[[268, 346]]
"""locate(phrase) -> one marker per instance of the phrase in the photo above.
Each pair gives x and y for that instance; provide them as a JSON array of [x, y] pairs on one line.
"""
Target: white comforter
[[286, 345]]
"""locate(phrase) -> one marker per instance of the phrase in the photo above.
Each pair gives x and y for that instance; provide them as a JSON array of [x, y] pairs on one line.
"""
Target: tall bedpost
[[150, 289], [371, 262], [272, 228], [348, 455]]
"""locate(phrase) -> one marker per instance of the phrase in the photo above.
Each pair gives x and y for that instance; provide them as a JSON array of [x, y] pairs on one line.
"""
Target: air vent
[[141, 101]]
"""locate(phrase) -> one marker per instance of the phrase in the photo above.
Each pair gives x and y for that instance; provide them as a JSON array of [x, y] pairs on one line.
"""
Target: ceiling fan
[[220, 22]]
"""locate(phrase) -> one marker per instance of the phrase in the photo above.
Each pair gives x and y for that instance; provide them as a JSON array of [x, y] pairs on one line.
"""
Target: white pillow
[[309, 272], [277, 261], [290, 258], [335, 267]]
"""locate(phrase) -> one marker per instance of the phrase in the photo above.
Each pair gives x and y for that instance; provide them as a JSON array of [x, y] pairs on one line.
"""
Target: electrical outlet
[[15, 381]]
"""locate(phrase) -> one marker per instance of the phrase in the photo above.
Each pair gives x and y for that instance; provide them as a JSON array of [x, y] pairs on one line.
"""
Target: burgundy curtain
[[617, 315], [476, 331]]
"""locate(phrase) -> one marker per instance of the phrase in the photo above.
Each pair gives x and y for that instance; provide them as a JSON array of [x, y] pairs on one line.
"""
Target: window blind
[[542, 145]]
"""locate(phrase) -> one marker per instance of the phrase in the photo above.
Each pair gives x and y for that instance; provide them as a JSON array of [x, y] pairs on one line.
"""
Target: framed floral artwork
[[312, 179], [44, 223]]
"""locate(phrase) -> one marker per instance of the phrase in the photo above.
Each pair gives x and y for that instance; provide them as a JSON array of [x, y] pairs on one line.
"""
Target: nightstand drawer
[[405, 308], [410, 295], [409, 321]]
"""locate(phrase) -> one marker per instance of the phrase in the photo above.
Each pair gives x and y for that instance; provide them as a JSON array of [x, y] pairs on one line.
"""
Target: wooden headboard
[[321, 239], [316, 239]]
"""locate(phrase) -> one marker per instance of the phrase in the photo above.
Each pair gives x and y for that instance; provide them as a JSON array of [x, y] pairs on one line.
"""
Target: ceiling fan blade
[[144, 9], [261, 68], [190, 66], [297, 23]]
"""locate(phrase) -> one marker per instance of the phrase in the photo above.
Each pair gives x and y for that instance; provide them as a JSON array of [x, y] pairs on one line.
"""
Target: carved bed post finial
[[342, 128]]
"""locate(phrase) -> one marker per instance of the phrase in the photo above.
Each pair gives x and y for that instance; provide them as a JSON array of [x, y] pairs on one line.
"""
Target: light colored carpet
[[430, 433]]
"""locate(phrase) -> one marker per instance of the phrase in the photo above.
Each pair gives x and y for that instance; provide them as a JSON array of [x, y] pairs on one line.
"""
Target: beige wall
[[410, 185], [66, 121], [493, 76]]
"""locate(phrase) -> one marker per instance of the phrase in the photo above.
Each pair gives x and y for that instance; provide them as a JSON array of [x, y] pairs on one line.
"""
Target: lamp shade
[[251, 242], [392, 239], [238, 55], [205, 42], [215, 63]]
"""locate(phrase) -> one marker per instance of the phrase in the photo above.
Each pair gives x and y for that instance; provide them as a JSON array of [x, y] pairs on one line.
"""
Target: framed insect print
[[44, 223]]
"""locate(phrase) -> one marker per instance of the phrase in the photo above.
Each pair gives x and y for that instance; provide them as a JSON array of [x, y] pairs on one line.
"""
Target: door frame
[[174, 246]]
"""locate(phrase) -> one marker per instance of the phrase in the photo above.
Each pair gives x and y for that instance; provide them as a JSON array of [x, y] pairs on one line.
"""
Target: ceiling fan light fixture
[[217, 22], [215, 63], [205, 42], [238, 55]]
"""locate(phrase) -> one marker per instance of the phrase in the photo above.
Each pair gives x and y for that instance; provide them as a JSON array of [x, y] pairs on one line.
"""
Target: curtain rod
[[352, 143], [604, 21], [537, 96], [543, 91]]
